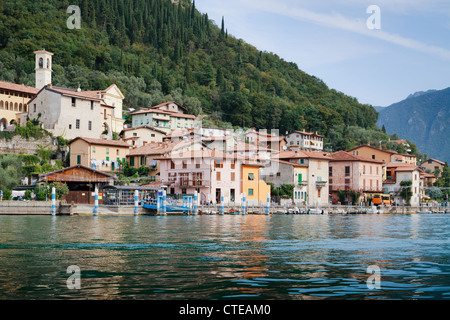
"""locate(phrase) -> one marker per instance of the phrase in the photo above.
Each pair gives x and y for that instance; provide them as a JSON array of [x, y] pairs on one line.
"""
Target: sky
[[379, 56]]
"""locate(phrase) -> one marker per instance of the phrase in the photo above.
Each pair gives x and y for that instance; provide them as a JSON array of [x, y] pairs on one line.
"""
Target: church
[[69, 113]]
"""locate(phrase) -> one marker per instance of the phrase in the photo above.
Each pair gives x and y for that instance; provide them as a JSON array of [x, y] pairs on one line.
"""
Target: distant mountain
[[420, 93], [379, 109], [424, 119]]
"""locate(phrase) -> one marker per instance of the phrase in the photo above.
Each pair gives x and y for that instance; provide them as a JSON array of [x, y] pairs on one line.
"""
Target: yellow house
[[100, 154], [14, 101], [256, 190]]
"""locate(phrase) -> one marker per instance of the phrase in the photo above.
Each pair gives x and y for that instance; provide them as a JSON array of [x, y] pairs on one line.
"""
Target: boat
[[151, 204]]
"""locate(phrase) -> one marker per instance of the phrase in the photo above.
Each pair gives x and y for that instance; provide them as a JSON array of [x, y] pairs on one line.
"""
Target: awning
[[152, 163]]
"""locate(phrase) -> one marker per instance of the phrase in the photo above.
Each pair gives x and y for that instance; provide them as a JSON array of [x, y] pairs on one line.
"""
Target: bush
[[7, 194]]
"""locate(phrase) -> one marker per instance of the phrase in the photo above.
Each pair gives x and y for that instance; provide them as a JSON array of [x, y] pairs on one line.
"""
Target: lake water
[[226, 257]]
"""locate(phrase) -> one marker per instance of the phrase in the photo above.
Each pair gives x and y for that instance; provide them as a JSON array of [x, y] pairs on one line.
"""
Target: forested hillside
[[156, 50]]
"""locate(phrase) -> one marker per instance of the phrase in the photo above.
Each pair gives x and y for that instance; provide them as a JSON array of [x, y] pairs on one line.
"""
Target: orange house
[[256, 190]]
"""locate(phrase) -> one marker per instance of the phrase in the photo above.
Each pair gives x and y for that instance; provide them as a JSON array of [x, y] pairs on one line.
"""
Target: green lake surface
[[281, 257]]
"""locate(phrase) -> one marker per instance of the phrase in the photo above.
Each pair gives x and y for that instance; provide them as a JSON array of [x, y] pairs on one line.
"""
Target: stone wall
[[34, 208], [19, 145]]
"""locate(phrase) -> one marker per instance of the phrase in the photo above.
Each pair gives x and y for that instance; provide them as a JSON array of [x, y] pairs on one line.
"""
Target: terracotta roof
[[115, 143], [80, 167], [375, 148], [158, 148], [400, 166], [204, 154], [165, 112], [18, 87], [345, 156], [166, 103], [91, 95], [301, 154], [294, 164], [144, 127], [434, 160], [308, 133]]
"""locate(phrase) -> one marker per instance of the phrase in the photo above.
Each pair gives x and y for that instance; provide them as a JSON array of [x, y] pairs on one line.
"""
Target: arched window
[[41, 63], [6, 105], [16, 106], [25, 108], [1, 104], [48, 63], [20, 107]]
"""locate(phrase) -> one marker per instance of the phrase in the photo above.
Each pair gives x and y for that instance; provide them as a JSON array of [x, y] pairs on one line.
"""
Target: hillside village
[[165, 146]]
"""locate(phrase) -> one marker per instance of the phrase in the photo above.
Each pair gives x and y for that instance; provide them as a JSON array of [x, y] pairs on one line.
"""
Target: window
[[330, 171], [250, 192], [197, 165], [233, 164], [73, 102], [251, 176], [90, 125], [132, 161], [233, 176], [93, 149], [143, 160], [107, 150], [218, 176], [347, 171], [117, 152], [172, 165], [77, 125], [70, 127], [184, 165], [218, 164], [107, 158], [319, 193], [78, 159], [152, 135], [92, 105], [134, 134], [34, 107], [373, 157]]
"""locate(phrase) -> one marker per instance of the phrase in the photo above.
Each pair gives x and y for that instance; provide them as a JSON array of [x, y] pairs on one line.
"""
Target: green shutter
[[78, 159], [299, 178], [132, 161]]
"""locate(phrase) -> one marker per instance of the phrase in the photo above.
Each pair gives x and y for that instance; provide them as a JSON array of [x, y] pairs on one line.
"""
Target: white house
[[308, 141]]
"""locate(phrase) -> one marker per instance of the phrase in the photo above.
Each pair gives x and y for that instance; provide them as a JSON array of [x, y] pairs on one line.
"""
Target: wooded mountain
[[156, 50], [424, 119]]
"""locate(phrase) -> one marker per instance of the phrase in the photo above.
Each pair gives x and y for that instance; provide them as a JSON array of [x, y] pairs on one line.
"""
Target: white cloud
[[338, 21]]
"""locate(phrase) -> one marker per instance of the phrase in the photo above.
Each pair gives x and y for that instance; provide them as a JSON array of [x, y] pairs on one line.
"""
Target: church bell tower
[[43, 68]]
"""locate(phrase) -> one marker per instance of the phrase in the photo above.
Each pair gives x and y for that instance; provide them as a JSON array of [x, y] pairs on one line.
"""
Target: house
[[162, 118], [303, 140], [403, 142], [265, 140], [432, 165], [100, 154], [371, 152], [171, 106], [317, 188], [148, 155], [13, 102], [404, 158], [396, 174], [357, 173], [142, 135], [81, 182], [213, 174], [256, 190], [279, 172], [71, 113]]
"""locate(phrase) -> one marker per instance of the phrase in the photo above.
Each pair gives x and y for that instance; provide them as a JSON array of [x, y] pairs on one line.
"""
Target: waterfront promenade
[[62, 208]]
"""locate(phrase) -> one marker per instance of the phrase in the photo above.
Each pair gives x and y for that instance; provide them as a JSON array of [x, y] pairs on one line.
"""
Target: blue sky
[[330, 40]]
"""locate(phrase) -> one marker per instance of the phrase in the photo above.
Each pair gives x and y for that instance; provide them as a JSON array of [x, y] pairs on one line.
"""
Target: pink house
[[351, 172], [211, 173]]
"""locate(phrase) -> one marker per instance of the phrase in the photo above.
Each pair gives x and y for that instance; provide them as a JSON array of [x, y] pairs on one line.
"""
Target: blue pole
[[136, 202], [221, 205], [268, 204], [195, 202], [244, 204], [95, 212], [164, 203], [53, 201]]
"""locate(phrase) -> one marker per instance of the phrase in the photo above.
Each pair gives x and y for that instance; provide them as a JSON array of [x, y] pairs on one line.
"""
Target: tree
[[406, 191], [10, 171]]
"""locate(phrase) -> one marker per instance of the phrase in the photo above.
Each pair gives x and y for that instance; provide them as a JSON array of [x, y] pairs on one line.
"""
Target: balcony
[[321, 184], [192, 183], [302, 183]]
